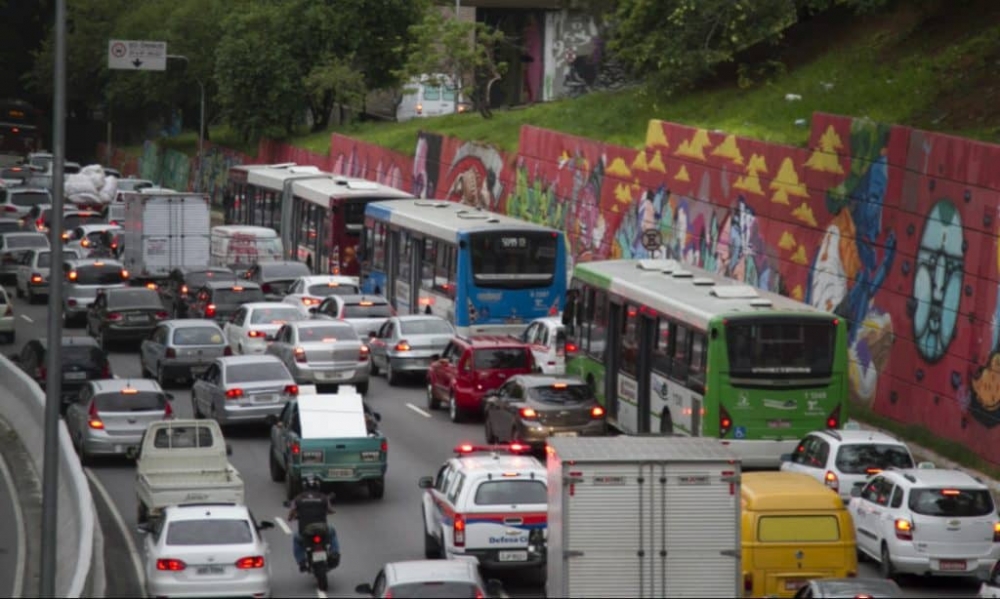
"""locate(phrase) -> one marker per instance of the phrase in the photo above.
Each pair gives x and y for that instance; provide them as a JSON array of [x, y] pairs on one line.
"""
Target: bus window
[[379, 238], [696, 370], [403, 265], [630, 340], [427, 264], [444, 269], [599, 325], [682, 339], [788, 348], [662, 349]]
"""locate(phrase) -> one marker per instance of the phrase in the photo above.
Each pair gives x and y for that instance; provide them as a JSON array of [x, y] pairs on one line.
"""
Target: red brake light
[[227, 351], [210, 311], [597, 412], [184, 289], [833, 420], [36, 278], [291, 389], [296, 449], [465, 448], [748, 583], [234, 393], [171, 352], [300, 355], [385, 446], [249, 563], [403, 346], [114, 316], [996, 532], [171, 565], [363, 353], [725, 422], [266, 288], [571, 348], [528, 413], [256, 334], [162, 315], [517, 447], [458, 531], [168, 412], [317, 539], [951, 492], [93, 418]]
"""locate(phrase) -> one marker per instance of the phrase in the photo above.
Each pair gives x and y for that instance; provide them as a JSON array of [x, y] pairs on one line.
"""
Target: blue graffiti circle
[[937, 283]]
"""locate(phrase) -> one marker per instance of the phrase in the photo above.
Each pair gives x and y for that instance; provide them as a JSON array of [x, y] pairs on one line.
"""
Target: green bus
[[679, 350]]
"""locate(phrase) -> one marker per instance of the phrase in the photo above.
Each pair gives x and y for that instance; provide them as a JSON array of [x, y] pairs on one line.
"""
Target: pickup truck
[[333, 437], [184, 461]]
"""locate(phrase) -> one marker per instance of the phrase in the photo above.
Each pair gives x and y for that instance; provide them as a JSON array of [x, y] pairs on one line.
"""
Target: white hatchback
[[926, 522], [549, 346], [308, 292], [254, 325], [212, 550]]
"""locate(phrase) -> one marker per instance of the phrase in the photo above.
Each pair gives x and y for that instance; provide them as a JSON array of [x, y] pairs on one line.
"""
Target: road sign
[[137, 55], [652, 239]]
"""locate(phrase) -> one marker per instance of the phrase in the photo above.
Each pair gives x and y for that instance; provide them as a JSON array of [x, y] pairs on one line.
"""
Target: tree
[[333, 82], [462, 50]]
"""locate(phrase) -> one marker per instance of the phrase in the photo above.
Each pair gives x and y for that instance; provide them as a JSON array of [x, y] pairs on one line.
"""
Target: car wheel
[[885, 568], [432, 402], [376, 488], [372, 368], [362, 388], [17, 290], [31, 296], [454, 412], [490, 437], [160, 378], [277, 473], [293, 486], [195, 409], [391, 376], [432, 550]]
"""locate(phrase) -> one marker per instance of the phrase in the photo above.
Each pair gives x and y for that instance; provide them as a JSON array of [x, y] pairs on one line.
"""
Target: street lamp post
[[201, 118]]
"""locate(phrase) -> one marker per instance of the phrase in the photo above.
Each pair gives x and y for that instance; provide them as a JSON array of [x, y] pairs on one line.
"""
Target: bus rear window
[[514, 259], [781, 348], [951, 503], [511, 492], [798, 529]]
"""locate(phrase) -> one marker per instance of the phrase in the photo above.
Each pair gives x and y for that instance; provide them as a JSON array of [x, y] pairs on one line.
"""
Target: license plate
[[211, 570], [319, 556], [335, 376], [136, 318], [264, 398], [75, 376], [565, 434], [952, 565], [513, 556], [369, 456], [779, 424], [198, 369], [340, 472], [794, 585]]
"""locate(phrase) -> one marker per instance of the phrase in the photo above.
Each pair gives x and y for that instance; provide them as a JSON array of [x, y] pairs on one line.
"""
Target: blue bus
[[485, 273]]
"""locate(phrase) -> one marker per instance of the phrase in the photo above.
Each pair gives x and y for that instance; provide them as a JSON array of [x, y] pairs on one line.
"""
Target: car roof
[[112, 385], [119, 290], [76, 262], [206, 511], [452, 570], [264, 265], [299, 324], [544, 380], [417, 317], [937, 477], [356, 298], [483, 341], [339, 279], [24, 234], [267, 305], [845, 587], [186, 270], [82, 212], [230, 284], [550, 321], [859, 436], [99, 227], [187, 323], [501, 461], [247, 359], [78, 340]]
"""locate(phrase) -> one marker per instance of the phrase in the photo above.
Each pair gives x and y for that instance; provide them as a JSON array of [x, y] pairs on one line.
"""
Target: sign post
[[137, 55]]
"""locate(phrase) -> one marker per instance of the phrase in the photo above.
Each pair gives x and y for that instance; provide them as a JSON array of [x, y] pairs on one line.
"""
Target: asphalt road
[[371, 532], [12, 541]]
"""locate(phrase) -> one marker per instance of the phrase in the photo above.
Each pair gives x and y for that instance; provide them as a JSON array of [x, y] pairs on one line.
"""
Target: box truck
[[163, 231]]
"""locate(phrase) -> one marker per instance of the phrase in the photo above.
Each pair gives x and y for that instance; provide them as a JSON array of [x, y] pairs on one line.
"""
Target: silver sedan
[[242, 389], [319, 352], [405, 344], [181, 349]]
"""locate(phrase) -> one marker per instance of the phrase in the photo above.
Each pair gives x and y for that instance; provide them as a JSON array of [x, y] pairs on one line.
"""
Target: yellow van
[[795, 529]]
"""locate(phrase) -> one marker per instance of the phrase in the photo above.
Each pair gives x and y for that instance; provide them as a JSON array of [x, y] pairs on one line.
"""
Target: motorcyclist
[[311, 507]]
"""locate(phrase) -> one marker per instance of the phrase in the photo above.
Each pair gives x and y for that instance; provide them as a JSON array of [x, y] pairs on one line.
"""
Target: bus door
[[646, 331], [403, 296], [391, 263], [613, 356]]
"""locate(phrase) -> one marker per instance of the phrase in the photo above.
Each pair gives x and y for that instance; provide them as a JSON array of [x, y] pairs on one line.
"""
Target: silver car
[[31, 278], [109, 416], [242, 389], [11, 247], [181, 349], [405, 344], [365, 313], [322, 353], [84, 277], [17, 201]]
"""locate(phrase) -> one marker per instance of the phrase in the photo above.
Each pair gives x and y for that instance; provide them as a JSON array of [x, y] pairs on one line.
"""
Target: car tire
[[32, 298], [293, 485], [454, 412], [885, 567], [391, 376], [432, 402], [277, 472], [376, 488], [160, 378], [17, 291], [372, 368], [432, 549]]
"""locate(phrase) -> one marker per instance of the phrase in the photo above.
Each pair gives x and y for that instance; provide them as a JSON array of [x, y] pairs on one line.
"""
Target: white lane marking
[[320, 594], [418, 410], [22, 530], [120, 523], [28, 318], [281, 524]]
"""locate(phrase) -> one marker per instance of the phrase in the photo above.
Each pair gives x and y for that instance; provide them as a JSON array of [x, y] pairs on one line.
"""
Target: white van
[[241, 246], [427, 96]]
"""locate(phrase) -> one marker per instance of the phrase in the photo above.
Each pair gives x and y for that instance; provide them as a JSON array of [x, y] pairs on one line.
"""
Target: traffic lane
[[13, 545], [926, 586]]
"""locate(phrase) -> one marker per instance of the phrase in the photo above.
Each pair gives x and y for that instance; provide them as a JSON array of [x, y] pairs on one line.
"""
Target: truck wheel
[[142, 516], [432, 402], [277, 474], [376, 488], [293, 485], [431, 548]]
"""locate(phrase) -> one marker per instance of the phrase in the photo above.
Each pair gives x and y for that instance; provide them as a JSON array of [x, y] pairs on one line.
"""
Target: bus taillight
[[833, 420], [725, 422]]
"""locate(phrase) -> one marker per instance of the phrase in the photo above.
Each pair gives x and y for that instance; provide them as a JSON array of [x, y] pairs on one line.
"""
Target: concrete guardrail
[[79, 556]]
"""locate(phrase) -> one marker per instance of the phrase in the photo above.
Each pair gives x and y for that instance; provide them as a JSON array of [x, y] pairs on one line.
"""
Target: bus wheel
[[666, 422]]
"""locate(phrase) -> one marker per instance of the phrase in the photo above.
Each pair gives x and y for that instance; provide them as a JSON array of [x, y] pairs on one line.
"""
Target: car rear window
[[82, 355], [501, 359], [511, 492], [183, 437], [864, 458], [372, 310], [143, 401], [435, 589], [209, 532], [240, 295], [197, 279], [134, 298], [27, 241], [335, 289], [327, 333], [106, 274], [951, 503], [430, 326], [284, 271], [798, 529], [197, 336], [45, 259], [72, 221], [30, 198], [257, 371], [275, 315], [561, 393]]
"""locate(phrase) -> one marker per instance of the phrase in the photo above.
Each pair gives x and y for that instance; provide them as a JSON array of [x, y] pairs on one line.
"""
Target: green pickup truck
[[330, 436]]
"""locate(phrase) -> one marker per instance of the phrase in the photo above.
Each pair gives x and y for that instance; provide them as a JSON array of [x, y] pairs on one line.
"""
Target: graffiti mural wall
[[354, 158], [574, 57]]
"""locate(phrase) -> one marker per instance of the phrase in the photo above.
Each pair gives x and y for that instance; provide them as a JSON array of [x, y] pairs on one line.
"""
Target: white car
[[86, 238], [926, 522], [990, 589], [843, 459], [212, 550], [254, 325], [549, 346], [7, 320], [308, 292], [31, 278], [431, 578]]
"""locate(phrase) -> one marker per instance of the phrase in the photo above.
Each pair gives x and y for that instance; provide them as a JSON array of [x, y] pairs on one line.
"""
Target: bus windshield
[[514, 259], [782, 348]]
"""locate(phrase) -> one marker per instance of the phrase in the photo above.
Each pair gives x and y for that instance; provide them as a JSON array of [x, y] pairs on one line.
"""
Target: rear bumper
[[79, 308], [490, 559], [409, 364], [232, 414], [104, 444], [360, 472], [330, 375], [536, 436], [165, 584], [925, 565]]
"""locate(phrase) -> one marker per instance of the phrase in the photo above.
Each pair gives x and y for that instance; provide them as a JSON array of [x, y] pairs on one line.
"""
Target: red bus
[[20, 131], [318, 215]]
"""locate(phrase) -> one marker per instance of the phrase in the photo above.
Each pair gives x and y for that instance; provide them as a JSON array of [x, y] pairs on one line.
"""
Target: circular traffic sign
[[118, 49], [652, 239]]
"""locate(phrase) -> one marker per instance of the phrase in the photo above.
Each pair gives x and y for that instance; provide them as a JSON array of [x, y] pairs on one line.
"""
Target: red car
[[471, 367]]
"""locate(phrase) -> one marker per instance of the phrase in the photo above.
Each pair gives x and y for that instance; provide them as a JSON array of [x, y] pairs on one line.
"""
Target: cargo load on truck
[[164, 231]]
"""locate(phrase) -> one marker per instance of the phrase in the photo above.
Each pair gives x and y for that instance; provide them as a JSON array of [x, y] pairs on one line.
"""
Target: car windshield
[[134, 298], [430, 326], [122, 401], [500, 358], [45, 259], [561, 393], [209, 532], [328, 333], [283, 270], [197, 336], [369, 310], [196, 279], [435, 589], [257, 371], [511, 492], [275, 315], [71, 221], [81, 355], [238, 295], [105, 274], [951, 503], [332, 289], [26, 199], [27, 241], [864, 457]]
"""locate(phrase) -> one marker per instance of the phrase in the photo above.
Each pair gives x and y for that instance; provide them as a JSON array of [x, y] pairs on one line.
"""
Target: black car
[[275, 277], [124, 314], [219, 300], [81, 360], [183, 284]]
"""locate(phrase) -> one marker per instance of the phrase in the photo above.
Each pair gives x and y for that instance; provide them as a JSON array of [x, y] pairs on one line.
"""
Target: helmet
[[310, 483]]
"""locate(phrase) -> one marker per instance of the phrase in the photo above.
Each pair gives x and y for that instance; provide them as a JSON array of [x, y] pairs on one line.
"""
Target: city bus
[[674, 349], [485, 273], [20, 131], [318, 215]]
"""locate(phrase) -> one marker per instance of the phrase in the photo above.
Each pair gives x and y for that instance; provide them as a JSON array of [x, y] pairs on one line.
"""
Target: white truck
[[163, 231], [643, 517], [184, 461]]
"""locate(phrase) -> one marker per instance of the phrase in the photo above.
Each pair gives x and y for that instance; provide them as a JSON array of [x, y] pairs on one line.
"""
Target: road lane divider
[[116, 515], [418, 410], [18, 589]]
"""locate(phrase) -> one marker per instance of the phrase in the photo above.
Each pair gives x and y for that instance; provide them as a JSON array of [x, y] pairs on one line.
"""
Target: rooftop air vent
[[362, 185], [340, 180], [683, 274], [666, 266], [761, 303], [282, 165], [472, 215], [494, 221], [703, 281], [430, 204], [304, 170], [734, 291]]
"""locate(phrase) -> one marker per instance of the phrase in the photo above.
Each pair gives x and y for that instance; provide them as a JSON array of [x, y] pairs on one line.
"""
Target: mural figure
[[426, 165], [589, 227], [985, 385], [937, 282], [474, 177]]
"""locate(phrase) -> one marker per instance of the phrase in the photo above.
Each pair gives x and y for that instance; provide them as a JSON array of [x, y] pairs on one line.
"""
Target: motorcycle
[[315, 539]]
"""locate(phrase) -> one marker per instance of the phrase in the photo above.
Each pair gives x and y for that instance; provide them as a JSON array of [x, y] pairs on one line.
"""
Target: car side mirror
[[265, 525], [425, 482], [494, 588], [378, 416], [364, 589], [143, 529], [786, 457], [314, 310], [229, 449], [855, 491], [435, 357]]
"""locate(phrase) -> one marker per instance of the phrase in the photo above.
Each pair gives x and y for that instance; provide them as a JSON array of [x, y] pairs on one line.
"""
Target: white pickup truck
[[184, 461]]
